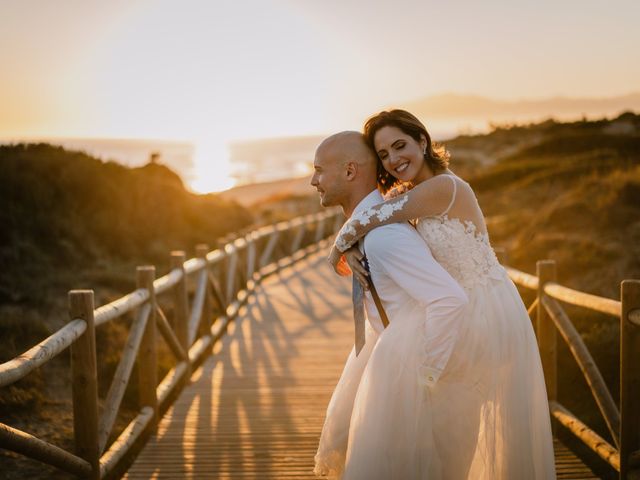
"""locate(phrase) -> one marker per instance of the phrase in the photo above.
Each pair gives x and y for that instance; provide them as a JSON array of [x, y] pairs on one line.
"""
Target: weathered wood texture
[[546, 330], [629, 381], [255, 409], [84, 379]]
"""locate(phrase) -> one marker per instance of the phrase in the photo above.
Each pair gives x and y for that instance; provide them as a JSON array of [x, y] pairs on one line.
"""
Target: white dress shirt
[[411, 283]]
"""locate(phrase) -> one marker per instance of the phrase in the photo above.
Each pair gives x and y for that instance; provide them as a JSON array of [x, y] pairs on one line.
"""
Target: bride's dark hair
[[436, 156]]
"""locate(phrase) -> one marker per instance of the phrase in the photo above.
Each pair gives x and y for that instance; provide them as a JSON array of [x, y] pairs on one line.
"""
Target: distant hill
[[255, 193], [455, 106]]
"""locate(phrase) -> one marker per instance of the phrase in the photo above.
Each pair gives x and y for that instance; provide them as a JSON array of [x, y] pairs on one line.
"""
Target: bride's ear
[[423, 143]]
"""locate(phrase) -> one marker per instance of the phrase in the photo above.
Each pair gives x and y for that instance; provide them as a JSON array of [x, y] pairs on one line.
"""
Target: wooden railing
[[224, 280], [623, 423]]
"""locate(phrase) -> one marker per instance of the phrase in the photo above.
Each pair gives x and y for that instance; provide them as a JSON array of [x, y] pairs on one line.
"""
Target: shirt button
[[430, 378]]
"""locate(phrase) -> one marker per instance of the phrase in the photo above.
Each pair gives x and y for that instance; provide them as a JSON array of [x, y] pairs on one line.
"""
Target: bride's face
[[401, 155]]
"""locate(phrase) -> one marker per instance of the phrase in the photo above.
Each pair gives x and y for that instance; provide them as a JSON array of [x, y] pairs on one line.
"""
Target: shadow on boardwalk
[[255, 408]]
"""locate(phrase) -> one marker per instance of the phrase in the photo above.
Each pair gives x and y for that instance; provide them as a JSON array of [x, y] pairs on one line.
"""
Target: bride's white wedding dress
[[487, 417]]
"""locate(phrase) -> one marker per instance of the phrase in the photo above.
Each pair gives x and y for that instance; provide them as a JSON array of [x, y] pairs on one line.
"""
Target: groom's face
[[329, 178]]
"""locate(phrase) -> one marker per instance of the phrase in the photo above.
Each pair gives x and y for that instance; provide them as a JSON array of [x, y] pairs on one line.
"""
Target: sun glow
[[211, 167], [216, 72]]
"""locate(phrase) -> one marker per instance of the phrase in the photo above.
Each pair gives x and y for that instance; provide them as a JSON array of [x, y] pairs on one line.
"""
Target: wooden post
[[223, 270], [241, 269], [147, 353], [207, 308], [231, 280], [629, 382], [251, 256], [546, 330], [85, 381], [181, 301]]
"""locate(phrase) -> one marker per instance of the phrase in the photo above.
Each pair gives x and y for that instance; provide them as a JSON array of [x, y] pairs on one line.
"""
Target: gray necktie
[[358, 313]]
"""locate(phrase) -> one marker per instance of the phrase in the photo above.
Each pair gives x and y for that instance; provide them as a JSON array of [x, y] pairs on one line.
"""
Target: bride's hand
[[353, 258], [337, 261]]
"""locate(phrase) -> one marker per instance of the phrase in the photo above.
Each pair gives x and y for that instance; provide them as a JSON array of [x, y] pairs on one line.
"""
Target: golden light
[[211, 167]]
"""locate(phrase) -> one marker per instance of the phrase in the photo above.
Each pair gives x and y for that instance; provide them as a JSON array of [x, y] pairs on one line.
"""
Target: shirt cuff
[[428, 376]]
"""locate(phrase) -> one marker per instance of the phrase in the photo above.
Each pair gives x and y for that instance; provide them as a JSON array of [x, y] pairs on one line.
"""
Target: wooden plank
[[255, 409]]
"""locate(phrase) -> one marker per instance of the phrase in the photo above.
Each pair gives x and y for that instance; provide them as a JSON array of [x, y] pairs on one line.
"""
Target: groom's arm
[[404, 256]]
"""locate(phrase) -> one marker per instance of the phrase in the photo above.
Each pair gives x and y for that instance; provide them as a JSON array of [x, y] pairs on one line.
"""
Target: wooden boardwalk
[[255, 408]]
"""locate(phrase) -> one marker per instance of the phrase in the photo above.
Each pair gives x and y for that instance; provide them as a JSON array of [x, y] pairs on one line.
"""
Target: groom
[[404, 273]]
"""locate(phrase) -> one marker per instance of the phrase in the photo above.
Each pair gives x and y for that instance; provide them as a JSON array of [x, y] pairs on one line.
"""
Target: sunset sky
[[210, 72]]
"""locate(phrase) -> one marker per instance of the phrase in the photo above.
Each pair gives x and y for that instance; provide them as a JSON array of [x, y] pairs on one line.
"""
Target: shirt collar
[[374, 198]]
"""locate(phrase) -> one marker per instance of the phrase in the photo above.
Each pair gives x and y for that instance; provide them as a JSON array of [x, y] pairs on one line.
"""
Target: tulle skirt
[[487, 417]]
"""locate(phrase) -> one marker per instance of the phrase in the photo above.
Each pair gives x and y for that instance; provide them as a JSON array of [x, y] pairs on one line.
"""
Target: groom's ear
[[351, 170]]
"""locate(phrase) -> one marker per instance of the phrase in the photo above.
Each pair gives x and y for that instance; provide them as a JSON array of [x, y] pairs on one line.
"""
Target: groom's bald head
[[348, 146], [345, 169]]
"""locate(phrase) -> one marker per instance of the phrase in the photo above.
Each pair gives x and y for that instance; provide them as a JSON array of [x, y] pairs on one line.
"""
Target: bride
[[504, 398]]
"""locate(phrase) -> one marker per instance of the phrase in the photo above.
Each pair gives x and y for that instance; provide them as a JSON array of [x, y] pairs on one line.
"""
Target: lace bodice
[[463, 252]]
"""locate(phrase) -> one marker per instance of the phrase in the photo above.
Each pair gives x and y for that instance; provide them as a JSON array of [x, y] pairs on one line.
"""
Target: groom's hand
[[354, 259]]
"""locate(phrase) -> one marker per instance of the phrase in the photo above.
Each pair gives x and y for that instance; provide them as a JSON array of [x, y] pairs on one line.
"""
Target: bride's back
[[458, 238], [463, 205]]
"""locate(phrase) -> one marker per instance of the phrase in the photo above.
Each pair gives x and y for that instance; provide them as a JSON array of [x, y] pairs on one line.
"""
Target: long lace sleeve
[[429, 198]]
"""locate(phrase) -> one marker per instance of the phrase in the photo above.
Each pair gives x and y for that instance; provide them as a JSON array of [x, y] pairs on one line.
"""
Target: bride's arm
[[429, 198]]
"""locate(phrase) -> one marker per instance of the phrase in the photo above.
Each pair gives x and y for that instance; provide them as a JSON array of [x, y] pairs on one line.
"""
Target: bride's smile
[[401, 155]]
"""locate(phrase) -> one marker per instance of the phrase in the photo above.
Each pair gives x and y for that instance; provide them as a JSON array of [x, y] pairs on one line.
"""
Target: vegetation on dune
[[573, 198], [68, 210], [72, 221]]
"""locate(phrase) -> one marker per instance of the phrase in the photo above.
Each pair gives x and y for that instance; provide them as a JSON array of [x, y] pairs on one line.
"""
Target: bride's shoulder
[[448, 182], [397, 191], [442, 184]]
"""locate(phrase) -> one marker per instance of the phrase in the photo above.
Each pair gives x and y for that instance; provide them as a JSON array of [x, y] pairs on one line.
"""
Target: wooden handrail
[[582, 299], [194, 265], [521, 278], [622, 423], [590, 438], [634, 317], [167, 282], [569, 295], [119, 307], [589, 369], [244, 262], [17, 368]]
